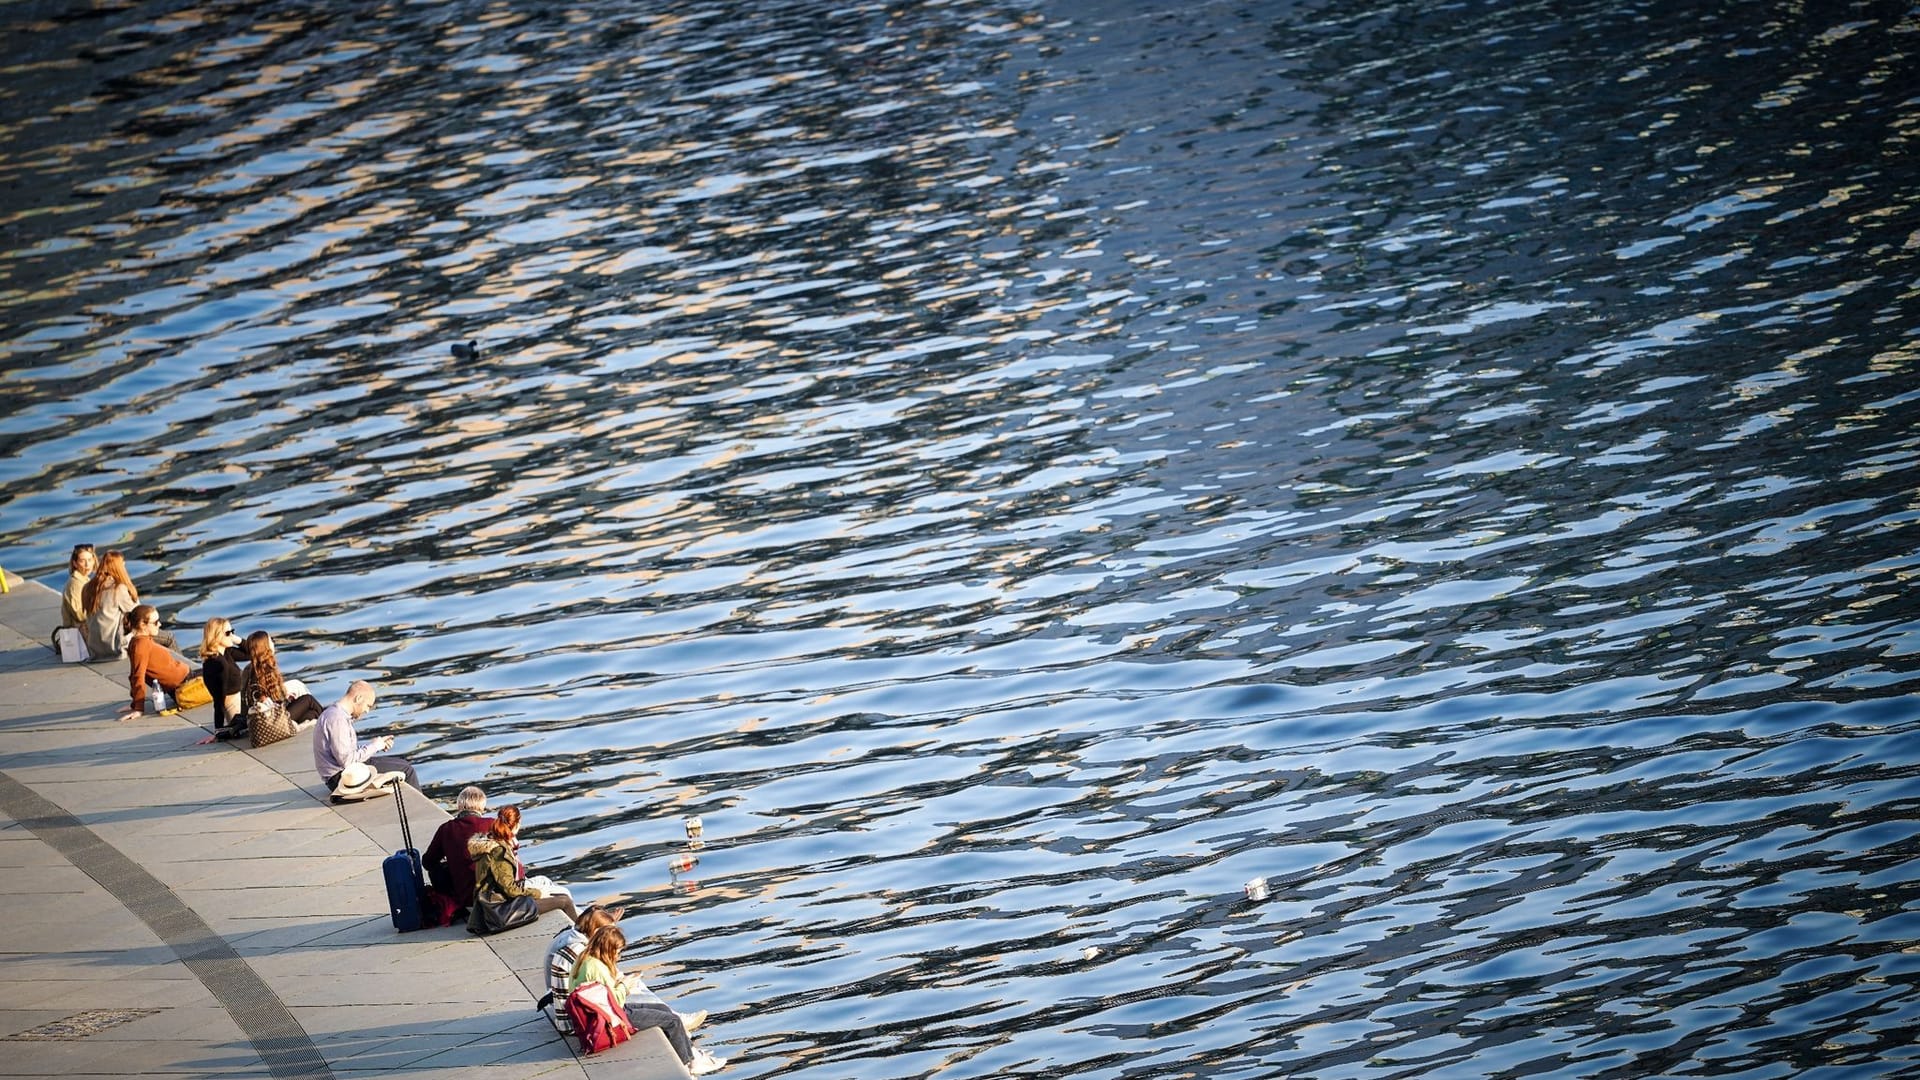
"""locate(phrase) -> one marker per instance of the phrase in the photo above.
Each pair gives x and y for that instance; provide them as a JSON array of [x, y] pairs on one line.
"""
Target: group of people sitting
[[102, 604], [473, 859], [97, 601]]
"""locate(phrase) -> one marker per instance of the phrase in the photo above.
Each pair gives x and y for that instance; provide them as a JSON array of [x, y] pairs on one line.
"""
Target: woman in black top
[[220, 656]]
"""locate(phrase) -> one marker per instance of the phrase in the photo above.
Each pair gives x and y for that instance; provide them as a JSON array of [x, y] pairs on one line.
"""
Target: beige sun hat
[[358, 781]]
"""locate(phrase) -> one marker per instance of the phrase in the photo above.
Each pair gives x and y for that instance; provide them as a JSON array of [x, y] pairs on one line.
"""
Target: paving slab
[[180, 909], [155, 1057]]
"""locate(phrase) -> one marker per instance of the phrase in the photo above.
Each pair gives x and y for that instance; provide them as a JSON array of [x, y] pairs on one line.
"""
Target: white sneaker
[[693, 1020], [704, 1063]]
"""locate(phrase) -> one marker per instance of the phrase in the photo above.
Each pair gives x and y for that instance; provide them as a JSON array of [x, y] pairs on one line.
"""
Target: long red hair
[[263, 669], [112, 568], [506, 823]]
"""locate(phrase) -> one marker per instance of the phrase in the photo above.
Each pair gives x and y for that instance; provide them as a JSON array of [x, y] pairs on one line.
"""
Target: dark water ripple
[[1021, 470]]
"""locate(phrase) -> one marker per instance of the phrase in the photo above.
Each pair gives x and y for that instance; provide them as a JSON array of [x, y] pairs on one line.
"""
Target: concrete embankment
[[179, 909]]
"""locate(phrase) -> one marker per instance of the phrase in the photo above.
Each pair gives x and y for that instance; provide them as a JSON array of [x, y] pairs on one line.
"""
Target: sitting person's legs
[[302, 709], [646, 1014], [559, 902], [395, 764]]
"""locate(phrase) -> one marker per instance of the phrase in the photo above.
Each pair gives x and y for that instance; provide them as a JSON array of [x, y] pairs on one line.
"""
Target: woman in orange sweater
[[150, 659]]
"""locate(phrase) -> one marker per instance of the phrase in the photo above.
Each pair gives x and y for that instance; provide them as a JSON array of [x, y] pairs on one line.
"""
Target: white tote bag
[[73, 647]]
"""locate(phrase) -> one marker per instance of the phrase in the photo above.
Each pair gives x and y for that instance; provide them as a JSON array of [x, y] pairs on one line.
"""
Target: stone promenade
[[172, 909]]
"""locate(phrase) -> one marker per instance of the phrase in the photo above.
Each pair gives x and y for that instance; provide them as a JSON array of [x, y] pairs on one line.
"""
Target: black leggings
[[303, 708], [299, 710]]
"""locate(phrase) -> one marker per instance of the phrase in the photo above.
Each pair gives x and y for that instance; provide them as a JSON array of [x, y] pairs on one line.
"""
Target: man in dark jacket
[[448, 865]]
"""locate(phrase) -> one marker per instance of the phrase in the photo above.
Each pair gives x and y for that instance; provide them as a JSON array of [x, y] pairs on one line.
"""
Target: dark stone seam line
[[264, 1019]]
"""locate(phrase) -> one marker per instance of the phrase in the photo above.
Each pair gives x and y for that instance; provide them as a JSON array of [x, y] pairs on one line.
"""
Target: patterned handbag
[[269, 721]]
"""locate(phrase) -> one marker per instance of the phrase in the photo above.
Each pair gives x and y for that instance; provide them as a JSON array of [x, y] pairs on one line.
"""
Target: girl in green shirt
[[601, 963]]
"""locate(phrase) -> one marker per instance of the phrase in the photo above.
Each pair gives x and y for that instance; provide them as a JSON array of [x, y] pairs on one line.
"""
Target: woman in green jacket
[[496, 869]]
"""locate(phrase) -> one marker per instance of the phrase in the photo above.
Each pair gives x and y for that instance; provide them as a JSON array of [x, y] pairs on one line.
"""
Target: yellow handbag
[[192, 694]]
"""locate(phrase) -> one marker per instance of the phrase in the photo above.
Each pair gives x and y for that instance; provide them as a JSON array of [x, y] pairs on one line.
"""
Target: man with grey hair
[[335, 746], [449, 867]]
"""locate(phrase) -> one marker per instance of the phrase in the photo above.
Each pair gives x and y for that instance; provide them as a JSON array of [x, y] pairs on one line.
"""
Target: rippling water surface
[[1021, 470]]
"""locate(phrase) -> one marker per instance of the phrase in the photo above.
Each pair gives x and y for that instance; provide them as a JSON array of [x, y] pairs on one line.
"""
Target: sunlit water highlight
[[1020, 471]]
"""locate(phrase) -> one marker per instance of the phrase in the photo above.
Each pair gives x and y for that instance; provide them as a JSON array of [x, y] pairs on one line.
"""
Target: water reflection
[[1019, 472]]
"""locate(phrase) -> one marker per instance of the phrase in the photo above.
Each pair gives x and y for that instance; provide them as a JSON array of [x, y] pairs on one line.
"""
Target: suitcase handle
[[406, 835]]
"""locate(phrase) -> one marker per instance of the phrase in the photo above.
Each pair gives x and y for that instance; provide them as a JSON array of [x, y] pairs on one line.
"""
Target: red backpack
[[598, 1019]]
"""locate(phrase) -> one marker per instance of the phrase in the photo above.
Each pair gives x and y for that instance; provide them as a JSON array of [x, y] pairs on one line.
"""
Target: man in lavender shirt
[[335, 746]]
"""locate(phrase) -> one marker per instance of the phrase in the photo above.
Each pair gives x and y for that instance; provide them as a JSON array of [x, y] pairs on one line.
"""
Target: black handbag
[[493, 913]]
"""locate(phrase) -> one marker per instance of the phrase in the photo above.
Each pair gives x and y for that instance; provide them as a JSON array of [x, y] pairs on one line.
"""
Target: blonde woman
[[73, 599], [601, 963], [220, 657], [73, 602]]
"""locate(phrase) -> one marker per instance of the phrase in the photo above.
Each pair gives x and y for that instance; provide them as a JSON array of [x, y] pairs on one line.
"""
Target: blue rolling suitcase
[[406, 884]]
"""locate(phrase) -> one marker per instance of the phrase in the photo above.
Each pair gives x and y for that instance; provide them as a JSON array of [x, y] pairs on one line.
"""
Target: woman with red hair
[[107, 600], [263, 682], [497, 873]]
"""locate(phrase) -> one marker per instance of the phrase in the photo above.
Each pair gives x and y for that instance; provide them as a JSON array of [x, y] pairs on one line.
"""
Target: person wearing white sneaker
[[600, 962], [563, 953]]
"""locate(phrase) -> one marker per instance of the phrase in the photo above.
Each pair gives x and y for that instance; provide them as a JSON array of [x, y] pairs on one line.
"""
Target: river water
[[1020, 471]]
